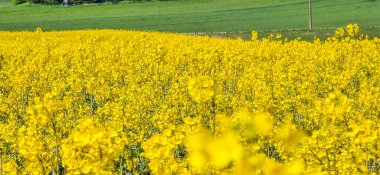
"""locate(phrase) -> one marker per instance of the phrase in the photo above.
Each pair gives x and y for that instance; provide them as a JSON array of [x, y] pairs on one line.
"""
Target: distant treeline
[[74, 2]]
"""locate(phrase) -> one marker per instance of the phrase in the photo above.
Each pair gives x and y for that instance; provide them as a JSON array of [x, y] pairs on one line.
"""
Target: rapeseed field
[[129, 102]]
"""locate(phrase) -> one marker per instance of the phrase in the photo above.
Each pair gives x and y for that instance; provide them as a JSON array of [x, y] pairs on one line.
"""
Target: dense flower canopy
[[118, 102]]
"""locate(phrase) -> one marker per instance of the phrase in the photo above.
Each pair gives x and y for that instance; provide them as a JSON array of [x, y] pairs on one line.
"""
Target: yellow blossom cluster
[[129, 102]]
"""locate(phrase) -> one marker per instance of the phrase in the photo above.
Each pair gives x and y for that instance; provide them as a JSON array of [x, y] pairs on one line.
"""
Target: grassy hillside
[[194, 15]]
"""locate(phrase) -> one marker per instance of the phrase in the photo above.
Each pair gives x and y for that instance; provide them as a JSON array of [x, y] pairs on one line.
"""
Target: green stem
[[213, 110], [1, 158]]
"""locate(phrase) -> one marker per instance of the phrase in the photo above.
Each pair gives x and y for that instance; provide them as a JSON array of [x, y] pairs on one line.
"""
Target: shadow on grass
[[323, 34]]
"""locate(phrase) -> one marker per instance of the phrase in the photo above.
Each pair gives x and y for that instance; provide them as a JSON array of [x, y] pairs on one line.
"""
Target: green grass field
[[289, 17]]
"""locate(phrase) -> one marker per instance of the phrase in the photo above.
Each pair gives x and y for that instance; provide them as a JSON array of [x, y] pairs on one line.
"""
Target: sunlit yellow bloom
[[131, 102]]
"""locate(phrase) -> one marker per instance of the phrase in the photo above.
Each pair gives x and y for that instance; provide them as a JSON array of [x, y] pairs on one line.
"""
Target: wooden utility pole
[[310, 18]]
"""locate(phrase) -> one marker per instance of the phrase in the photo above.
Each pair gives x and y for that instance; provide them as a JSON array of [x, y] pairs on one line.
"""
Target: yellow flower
[[339, 33], [116, 102], [38, 30], [263, 123], [254, 36], [353, 29], [201, 89]]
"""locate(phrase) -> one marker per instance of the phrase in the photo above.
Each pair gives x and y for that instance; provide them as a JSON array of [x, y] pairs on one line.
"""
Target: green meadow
[[232, 18]]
